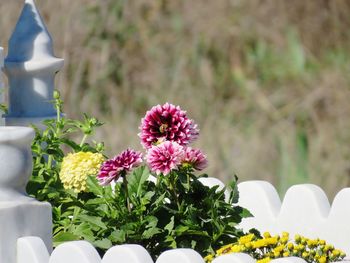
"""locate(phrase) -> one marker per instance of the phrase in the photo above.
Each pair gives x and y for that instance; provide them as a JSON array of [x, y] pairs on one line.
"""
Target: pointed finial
[[30, 39]]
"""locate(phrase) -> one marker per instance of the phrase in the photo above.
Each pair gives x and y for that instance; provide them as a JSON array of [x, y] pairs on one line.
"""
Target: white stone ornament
[[30, 67]]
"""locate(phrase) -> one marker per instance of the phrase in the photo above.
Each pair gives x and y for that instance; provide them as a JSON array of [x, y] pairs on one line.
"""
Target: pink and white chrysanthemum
[[167, 123], [195, 158], [165, 157], [113, 168]]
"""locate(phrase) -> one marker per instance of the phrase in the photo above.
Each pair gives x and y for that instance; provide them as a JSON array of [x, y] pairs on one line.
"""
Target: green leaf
[[117, 236], [96, 201], [103, 243], [64, 237], [170, 225], [71, 144], [84, 230], [97, 221], [181, 229], [234, 194], [137, 179], [150, 232], [94, 186], [245, 213]]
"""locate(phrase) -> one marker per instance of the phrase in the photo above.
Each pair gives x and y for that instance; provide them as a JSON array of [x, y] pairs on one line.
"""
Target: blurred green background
[[267, 81]]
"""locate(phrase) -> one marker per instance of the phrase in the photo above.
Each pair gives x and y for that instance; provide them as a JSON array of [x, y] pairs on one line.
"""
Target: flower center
[[163, 128]]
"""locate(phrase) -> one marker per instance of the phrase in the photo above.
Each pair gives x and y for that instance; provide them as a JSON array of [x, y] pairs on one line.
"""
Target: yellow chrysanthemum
[[76, 167]]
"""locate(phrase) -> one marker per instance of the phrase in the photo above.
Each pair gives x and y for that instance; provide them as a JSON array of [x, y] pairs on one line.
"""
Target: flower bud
[[100, 146], [93, 121], [56, 94]]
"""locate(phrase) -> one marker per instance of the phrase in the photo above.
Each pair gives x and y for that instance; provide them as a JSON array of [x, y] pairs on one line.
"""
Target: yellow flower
[[285, 234], [276, 254], [336, 252], [245, 239], [284, 240], [322, 259], [267, 235], [76, 167], [224, 249], [327, 248], [259, 243], [286, 254], [209, 258], [236, 249], [264, 260], [322, 242], [248, 245], [272, 240], [279, 248]]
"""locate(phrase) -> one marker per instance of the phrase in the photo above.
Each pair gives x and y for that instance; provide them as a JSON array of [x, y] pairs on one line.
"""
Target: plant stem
[[58, 112], [49, 161], [125, 183], [83, 140], [173, 191]]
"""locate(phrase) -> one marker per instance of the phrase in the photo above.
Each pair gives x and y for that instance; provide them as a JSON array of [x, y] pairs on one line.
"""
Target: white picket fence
[[33, 250], [305, 210], [30, 66]]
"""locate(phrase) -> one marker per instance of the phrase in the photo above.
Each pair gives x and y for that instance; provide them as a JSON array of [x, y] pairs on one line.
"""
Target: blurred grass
[[267, 81]]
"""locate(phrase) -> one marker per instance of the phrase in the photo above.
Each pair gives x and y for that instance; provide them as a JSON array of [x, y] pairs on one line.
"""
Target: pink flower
[[113, 168], [167, 123], [165, 157], [195, 158]]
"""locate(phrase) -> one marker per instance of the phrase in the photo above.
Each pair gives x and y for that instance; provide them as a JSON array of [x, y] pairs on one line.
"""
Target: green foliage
[[158, 213]]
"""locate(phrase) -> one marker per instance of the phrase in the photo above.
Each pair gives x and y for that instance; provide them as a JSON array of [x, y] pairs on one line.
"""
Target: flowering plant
[[268, 247], [154, 198]]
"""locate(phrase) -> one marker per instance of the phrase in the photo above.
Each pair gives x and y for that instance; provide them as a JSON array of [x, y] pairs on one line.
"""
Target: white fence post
[[20, 215]]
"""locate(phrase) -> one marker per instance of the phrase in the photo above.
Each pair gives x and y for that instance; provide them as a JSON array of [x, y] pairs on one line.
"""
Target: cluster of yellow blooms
[[271, 247], [76, 167]]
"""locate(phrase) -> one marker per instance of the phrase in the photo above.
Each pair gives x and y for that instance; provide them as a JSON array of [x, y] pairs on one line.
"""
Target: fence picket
[[183, 255], [31, 250], [75, 251], [127, 254], [234, 258]]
